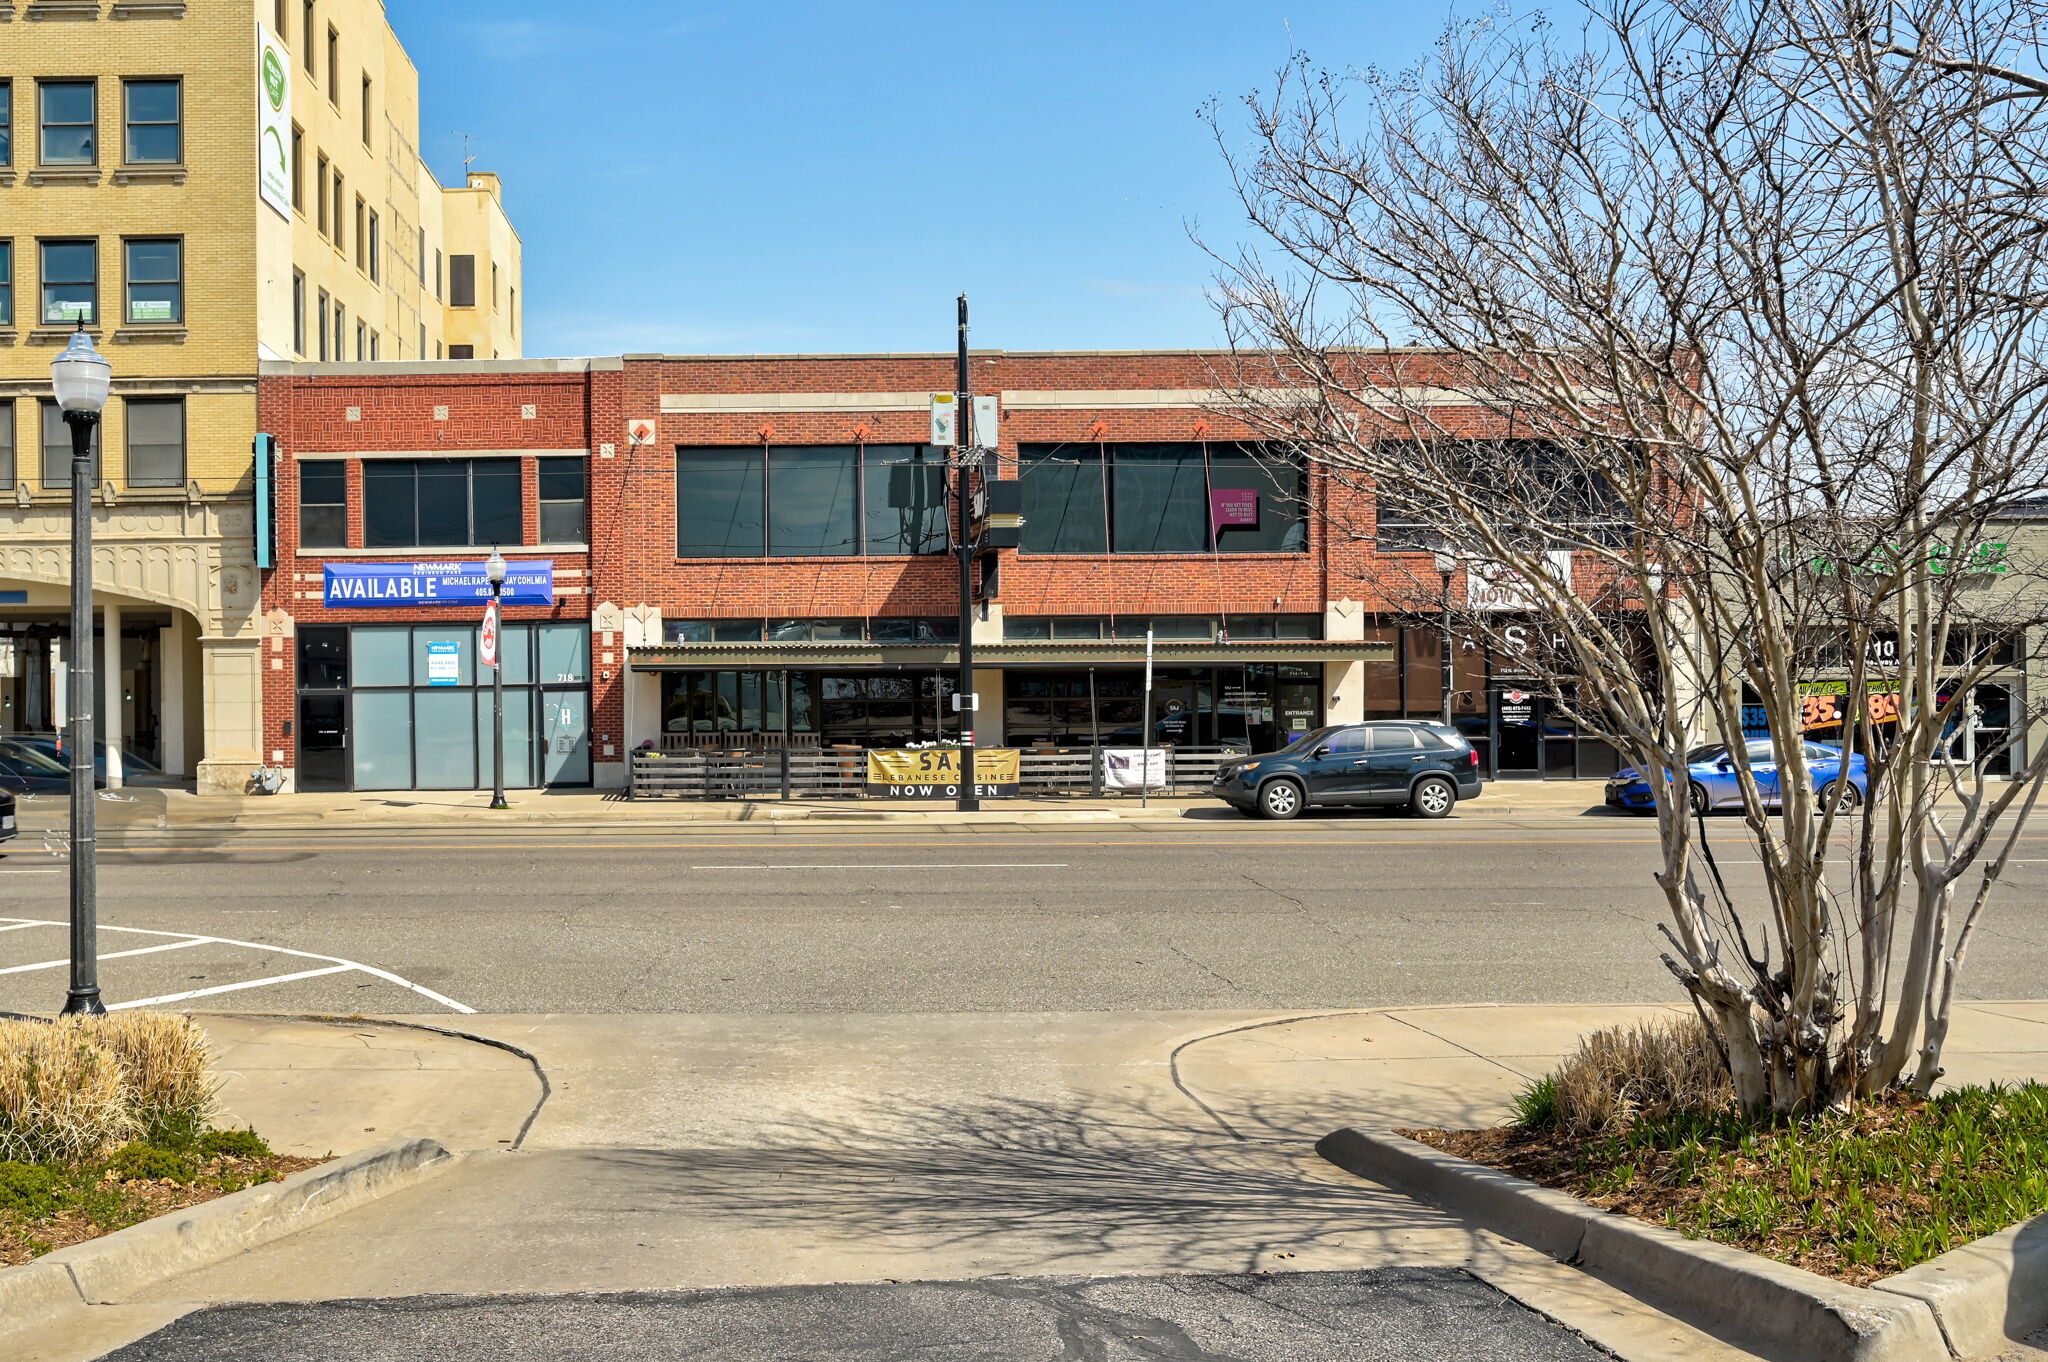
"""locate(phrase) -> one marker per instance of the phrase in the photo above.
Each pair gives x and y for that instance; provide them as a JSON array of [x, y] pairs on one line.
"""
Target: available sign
[[934, 772], [369, 584], [444, 664]]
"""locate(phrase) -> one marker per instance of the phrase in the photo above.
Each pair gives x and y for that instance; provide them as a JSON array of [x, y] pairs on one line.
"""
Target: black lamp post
[[494, 569], [1446, 568], [81, 378]]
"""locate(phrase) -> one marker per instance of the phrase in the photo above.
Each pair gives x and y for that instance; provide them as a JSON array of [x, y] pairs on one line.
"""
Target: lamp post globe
[[80, 377], [494, 569]]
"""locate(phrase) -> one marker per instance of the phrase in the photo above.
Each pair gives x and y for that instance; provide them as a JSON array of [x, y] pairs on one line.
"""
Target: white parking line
[[191, 938], [910, 865], [104, 955], [17, 926], [31, 872], [230, 988]]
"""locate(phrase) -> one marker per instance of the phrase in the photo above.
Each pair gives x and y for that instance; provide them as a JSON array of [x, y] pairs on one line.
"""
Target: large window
[[156, 280], [1173, 628], [68, 119], [57, 447], [326, 307], [810, 500], [441, 503], [71, 282], [155, 119], [6, 444], [1531, 478], [564, 503], [323, 504], [1161, 498], [156, 441], [320, 182], [299, 313], [462, 281], [889, 629]]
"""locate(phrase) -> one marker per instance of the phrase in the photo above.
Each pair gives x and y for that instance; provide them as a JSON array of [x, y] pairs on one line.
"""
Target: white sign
[[487, 649], [273, 121], [150, 310], [1134, 768], [987, 422], [1496, 586], [945, 419], [444, 664]]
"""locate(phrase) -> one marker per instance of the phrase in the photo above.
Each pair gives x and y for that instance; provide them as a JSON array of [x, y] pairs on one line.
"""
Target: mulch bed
[[24, 1241]]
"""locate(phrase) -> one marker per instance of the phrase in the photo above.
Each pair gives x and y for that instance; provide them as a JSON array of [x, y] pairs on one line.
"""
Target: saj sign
[[357, 584]]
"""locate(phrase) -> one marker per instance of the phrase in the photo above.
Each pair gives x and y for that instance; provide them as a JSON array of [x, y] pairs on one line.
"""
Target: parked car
[[25, 770], [135, 770], [9, 830], [1715, 784], [1424, 766]]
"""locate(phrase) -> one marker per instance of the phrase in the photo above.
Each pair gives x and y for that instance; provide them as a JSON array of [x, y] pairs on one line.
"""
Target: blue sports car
[[1845, 782]]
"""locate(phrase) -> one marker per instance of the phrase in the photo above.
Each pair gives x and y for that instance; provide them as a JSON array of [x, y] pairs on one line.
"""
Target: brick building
[[750, 550]]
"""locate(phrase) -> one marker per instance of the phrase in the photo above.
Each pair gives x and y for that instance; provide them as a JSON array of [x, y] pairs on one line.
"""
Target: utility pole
[[968, 456]]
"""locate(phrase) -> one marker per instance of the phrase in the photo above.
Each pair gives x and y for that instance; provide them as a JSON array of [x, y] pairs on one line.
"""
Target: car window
[[1815, 752], [1346, 742], [1393, 740], [1707, 755], [1433, 741], [1760, 753]]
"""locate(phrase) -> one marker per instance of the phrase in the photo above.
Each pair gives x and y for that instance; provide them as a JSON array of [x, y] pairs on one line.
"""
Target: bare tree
[[1705, 342]]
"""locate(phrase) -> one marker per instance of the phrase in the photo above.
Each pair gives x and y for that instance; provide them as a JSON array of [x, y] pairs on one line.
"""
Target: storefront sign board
[[444, 664], [934, 772], [371, 584]]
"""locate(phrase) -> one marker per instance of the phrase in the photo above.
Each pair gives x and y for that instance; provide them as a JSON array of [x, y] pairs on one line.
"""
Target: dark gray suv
[[1425, 766]]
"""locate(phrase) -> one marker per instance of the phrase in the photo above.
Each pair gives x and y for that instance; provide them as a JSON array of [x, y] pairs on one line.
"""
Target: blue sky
[[713, 177]]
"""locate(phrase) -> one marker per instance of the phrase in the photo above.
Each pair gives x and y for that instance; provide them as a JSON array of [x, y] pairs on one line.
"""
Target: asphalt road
[[1344, 912], [1388, 1315]]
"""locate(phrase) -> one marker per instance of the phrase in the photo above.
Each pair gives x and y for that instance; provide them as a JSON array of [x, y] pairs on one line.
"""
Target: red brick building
[[751, 550]]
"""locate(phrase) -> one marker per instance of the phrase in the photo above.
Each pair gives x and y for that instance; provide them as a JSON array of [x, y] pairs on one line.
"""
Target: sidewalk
[[178, 810]]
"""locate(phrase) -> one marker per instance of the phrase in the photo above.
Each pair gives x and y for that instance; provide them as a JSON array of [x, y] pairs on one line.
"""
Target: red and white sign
[[488, 645], [640, 432]]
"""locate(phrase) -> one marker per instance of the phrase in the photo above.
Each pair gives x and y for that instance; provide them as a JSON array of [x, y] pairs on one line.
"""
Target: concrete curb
[[97, 1272], [1985, 1294], [1769, 1307]]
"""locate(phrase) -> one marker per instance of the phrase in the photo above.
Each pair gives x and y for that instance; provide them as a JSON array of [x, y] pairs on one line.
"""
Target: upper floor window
[[564, 500], [374, 246], [1534, 479], [298, 168], [156, 280], [69, 120], [326, 306], [334, 68], [71, 282], [306, 31], [362, 235], [462, 281], [283, 10], [6, 283], [156, 441], [462, 352], [441, 503], [320, 192], [340, 214], [299, 313], [57, 448], [810, 500], [7, 443], [155, 122], [6, 122], [366, 108], [323, 504], [1162, 498]]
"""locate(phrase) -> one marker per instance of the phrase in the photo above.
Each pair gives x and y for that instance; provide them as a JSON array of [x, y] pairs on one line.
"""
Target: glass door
[[565, 728], [1518, 730]]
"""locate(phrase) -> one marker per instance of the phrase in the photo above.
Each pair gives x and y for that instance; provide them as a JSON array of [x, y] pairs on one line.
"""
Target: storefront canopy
[[1080, 652]]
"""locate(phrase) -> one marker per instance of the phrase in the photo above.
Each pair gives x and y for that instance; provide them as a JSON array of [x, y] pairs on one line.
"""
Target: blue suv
[[1715, 784], [1425, 766]]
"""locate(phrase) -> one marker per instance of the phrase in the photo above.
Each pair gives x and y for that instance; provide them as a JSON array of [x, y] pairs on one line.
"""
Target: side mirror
[[1320, 753], [1724, 764]]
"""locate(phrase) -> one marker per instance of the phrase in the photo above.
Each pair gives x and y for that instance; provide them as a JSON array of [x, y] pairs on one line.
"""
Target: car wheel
[[1701, 804], [1432, 797], [1280, 799], [1840, 796]]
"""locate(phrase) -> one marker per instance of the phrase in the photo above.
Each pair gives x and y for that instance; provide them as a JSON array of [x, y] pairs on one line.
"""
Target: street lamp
[[81, 377], [1446, 568], [495, 570]]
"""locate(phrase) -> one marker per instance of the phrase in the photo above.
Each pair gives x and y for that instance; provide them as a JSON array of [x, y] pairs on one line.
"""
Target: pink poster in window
[[1233, 506]]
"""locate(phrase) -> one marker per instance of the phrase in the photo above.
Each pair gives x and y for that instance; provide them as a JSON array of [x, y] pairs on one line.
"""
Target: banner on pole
[[487, 644]]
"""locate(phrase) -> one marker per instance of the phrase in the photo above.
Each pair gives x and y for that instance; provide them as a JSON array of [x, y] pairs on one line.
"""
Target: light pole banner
[[367, 584], [274, 121], [487, 643]]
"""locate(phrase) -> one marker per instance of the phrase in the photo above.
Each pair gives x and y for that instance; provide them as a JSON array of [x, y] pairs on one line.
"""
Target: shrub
[[147, 1163], [1536, 1105], [62, 1098], [163, 1061], [233, 1144], [1625, 1073], [27, 1190]]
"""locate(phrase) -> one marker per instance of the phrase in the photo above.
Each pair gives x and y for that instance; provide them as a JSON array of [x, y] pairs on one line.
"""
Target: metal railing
[[841, 772]]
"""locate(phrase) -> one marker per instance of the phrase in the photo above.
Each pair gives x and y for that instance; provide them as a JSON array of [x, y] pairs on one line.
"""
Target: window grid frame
[[926, 456], [43, 245], [129, 405], [43, 124], [129, 281]]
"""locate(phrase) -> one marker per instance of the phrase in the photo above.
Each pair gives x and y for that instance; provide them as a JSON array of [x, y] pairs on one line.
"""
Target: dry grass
[[163, 1059], [1651, 1070], [63, 1098]]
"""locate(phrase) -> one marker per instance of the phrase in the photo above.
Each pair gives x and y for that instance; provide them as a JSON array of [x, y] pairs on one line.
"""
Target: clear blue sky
[[694, 175]]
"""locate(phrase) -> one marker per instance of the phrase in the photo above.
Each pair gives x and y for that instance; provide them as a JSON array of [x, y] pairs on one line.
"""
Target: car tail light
[[1474, 754]]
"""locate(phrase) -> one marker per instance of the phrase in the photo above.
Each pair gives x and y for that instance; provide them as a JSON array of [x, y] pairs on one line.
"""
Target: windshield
[[29, 761], [1711, 752]]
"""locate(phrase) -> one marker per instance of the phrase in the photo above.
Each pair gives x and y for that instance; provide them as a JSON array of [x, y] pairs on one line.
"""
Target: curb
[[1780, 1310], [96, 1272], [1986, 1293]]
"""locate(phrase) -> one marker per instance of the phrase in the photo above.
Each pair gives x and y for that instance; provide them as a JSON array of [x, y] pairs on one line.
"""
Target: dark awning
[[1071, 653]]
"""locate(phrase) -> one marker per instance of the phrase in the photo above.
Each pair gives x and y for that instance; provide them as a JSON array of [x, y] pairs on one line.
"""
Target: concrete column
[[111, 729], [232, 682], [1343, 692], [170, 651]]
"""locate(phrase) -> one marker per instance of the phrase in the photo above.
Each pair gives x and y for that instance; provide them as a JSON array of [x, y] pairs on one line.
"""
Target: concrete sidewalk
[[180, 811], [684, 1151]]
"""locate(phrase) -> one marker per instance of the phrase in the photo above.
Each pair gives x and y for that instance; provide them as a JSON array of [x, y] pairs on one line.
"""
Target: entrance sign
[[444, 664], [487, 642], [273, 123], [934, 772], [367, 584]]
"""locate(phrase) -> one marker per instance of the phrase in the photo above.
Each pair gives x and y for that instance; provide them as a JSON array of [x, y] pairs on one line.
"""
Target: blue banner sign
[[351, 584]]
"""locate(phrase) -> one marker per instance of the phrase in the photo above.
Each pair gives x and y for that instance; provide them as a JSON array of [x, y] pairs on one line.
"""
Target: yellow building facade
[[202, 186]]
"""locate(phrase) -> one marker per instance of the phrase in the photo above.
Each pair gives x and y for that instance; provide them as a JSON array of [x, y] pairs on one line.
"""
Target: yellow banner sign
[[935, 772]]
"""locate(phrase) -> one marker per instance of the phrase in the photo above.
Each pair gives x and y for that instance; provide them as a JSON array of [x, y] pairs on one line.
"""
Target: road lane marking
[[104, 955], [31, 872], [906, 865], [340, 962], [17, 924], [229, 988], [266, 848]]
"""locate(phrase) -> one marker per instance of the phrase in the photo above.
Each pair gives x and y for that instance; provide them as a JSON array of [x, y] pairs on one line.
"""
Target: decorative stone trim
[[7, 336], [223, 385], [63, 9], [63, 174], [6, 176], [150, 174], [58, 335], [147, 9], [150, 335]]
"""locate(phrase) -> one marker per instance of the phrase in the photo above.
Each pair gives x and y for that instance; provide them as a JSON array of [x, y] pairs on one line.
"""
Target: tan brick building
[[202, 187]]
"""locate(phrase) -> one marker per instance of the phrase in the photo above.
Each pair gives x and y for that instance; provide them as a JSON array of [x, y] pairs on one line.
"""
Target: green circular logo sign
[[273, 78]]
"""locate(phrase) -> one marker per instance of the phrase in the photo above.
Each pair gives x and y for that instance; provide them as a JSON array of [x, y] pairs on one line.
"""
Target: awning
[[1014, 652]]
